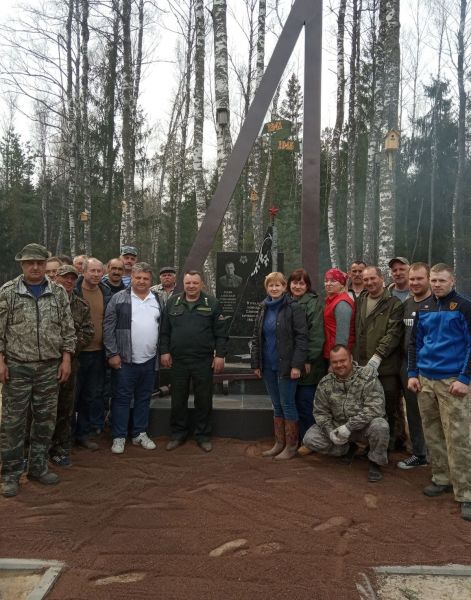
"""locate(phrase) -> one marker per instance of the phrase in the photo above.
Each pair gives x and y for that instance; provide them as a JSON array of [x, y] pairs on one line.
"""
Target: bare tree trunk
[[352, 144], [374, 145], [198, 110], [437, 104], [223, 131], [389, 32], [458, 196], [336, 135], [127, 223], [86, 131]]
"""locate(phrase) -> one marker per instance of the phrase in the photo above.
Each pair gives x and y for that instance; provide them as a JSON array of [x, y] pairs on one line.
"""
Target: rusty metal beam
[[303, 12], [310, 227]]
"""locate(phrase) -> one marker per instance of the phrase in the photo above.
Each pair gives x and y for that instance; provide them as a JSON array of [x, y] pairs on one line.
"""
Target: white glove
[[374, 362], [340, 435]]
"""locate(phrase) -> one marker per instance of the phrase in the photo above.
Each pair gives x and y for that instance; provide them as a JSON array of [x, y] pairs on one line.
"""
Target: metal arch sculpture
[[307, 14]]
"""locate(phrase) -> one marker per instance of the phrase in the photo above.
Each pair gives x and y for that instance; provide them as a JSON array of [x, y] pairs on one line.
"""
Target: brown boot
[[291, 435], [279, 428]]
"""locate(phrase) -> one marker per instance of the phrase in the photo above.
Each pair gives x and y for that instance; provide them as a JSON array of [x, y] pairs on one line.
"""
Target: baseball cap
[[400, 259], [167, 270], [66, 269], [33, 252], [129, 250]]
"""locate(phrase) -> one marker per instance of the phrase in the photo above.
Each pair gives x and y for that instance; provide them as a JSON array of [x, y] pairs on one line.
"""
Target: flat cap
[[33, 252], [400, 259], [129, 250], [67, 269], [167, 270]]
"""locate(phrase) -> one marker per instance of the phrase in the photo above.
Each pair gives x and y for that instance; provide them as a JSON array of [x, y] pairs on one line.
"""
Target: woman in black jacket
[[278, 354]]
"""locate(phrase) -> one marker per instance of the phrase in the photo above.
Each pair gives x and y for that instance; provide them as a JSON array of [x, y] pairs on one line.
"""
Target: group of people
[[337, 371], [81, 343]]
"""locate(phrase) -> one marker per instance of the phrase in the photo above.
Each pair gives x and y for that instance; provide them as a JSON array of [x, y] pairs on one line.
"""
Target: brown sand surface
[[156, 525]]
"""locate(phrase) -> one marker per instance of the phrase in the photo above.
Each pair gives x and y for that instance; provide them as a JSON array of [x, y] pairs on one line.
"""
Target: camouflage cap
[[33, 252], [66, 270], [399, 259], [129, 250]]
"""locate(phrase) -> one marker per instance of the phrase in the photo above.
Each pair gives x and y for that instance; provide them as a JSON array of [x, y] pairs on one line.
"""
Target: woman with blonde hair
[[278, 354]]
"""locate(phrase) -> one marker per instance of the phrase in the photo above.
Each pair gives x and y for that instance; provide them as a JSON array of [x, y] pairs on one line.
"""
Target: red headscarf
[[336, 275]]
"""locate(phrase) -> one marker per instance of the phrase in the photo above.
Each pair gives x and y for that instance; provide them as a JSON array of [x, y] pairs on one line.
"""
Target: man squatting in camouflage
[[67, 276], [37, 340], [349, 406]]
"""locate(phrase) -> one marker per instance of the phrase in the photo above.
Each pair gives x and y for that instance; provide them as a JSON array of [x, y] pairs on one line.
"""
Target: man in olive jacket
[[379, 329], [193, 343]]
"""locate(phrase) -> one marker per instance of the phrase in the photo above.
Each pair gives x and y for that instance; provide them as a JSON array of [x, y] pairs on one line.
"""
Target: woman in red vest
[[339, 312]]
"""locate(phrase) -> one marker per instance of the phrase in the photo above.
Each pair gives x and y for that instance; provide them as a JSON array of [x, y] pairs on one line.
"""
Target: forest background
[[119, 116]]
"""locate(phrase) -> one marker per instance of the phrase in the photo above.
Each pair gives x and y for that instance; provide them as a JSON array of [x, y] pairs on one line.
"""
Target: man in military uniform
[[193, 344], [348, 407], [37, 340], [67, 276]]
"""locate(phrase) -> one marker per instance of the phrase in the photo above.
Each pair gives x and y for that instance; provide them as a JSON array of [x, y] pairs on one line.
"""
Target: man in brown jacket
[[378, 335]]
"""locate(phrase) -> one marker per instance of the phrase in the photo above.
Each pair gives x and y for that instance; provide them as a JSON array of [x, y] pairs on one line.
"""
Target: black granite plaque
[[239, 287]]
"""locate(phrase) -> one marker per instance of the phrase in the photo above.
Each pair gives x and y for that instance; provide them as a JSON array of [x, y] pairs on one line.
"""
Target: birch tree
[[336, 136], [85, 129], [223, 130], [198, 112], [390, 77]]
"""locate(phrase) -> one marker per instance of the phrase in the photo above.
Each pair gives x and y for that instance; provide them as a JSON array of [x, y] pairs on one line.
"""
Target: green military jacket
[[353, 402], [193, 330], [380, 332], [35, 330], [84, 328], [314, 310]]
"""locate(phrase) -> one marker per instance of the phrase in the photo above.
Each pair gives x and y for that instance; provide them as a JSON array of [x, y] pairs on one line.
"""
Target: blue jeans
[[90, 381], [304, 403], [282, 392], [136, 381]]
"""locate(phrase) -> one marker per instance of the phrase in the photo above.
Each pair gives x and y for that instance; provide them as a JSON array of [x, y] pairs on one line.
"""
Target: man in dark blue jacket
[[439, 371]]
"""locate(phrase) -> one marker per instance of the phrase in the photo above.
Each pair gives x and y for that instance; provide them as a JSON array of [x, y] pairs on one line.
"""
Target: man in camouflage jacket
[[349, 407], [67, 276], [37, 340]]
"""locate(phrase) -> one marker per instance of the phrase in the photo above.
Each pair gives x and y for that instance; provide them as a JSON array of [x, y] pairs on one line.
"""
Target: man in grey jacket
[[349, 407], [131, 335]]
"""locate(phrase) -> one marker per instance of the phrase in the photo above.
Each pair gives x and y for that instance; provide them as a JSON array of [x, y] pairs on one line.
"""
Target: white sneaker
[[144, 440], [118, 445]]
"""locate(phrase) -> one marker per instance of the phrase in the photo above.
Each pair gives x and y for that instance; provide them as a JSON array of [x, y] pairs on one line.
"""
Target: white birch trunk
[[389, 31], [335, 142], [87, 199], [223, 132]]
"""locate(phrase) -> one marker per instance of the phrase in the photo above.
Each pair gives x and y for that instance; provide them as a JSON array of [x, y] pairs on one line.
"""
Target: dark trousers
[[414, 420], [304, 403], [90, 381], [32, 385], [392, 394], [62, 438], [136, 381], [200, 374]]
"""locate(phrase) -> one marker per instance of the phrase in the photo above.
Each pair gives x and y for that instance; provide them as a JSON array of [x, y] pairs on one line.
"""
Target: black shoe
[[374, 473], [46, 478], [412, 461], [466, 511], [172, 444], [86, 443], [347, 459], [62, 460], [10, 488], [435, 489]]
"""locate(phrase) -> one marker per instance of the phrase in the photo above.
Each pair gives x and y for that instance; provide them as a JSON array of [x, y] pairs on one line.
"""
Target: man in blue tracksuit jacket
[[439, 369]]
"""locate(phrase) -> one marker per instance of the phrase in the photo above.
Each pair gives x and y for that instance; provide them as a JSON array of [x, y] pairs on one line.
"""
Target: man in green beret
[[37, 341]]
